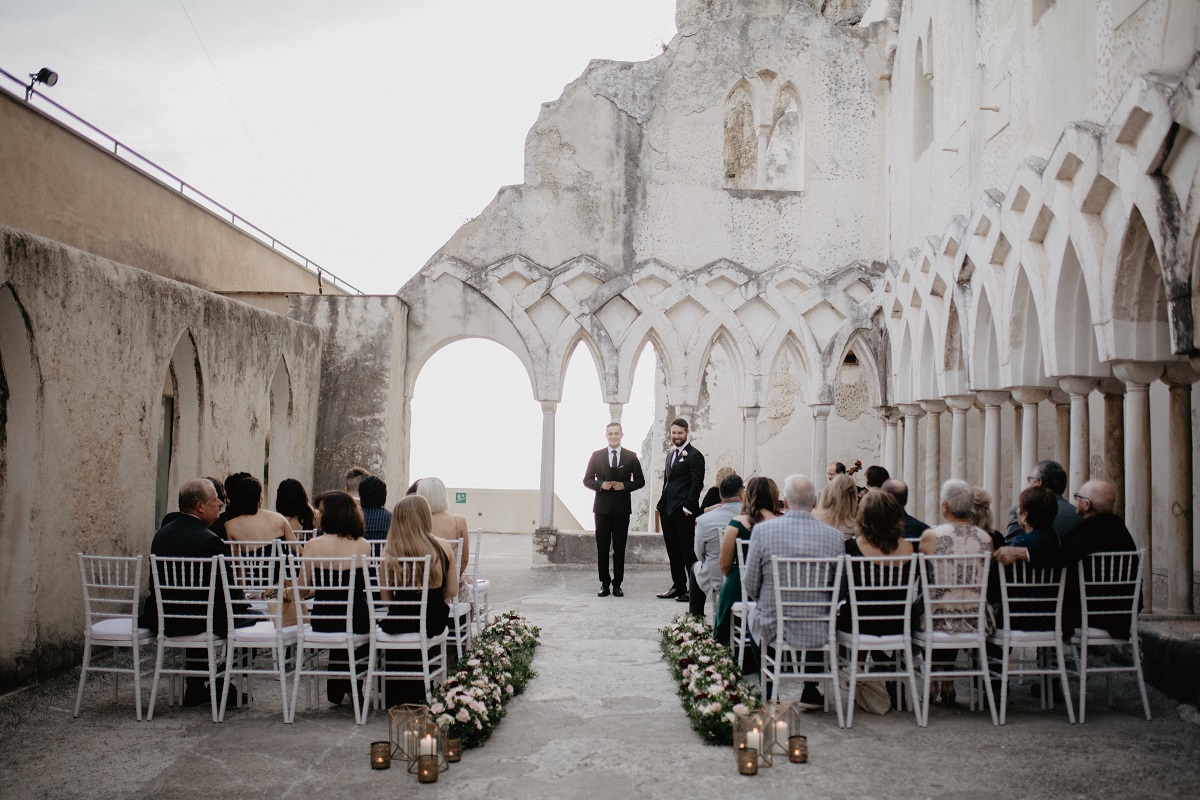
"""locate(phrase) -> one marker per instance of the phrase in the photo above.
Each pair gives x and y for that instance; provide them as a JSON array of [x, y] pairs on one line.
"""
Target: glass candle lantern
[[427, 769], [747, 761], [381, 755], [750, 733], [453, 749], [430, 741], [402, 722], [781, 721], [797, 747]]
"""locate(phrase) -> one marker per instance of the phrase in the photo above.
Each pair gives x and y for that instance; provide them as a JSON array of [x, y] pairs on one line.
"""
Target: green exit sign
[[460, 497]]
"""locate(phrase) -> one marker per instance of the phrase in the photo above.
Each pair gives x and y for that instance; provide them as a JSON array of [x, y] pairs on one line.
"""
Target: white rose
[[462, 715]]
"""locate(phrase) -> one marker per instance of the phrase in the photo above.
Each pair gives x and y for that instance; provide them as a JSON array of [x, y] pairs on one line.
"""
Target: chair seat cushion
[[873, 642], [482, 585], [337, 637], [397, 638], [1021, 636], [119, 629], [946, 637], [195, 638], [263, 631], [1096, 636], [460, 609], [741, 607]]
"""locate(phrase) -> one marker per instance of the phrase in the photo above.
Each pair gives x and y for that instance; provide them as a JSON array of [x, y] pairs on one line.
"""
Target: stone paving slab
[[601, 720]]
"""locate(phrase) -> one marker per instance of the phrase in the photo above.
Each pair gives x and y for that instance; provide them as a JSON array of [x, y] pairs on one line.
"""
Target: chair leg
[[1081, 656], [1005, 666], [154, 684], [136, 655], [987, 687], [1061, 654], [853, 667], [1136, 649], [83, 671]]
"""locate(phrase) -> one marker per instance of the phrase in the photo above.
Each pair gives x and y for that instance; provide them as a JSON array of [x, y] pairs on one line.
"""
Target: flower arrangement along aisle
[[710, 683], [471, 703]]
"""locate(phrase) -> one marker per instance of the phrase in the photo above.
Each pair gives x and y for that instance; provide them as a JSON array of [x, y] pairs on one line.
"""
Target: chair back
[[111, 587], [476, 544], [1032, 597], [305, 534], [456, 545], [954, 589], [806, 600], [333, 584], [400, 590], [288, 548], [252, 548], [185, 590], [258, 579], [741, 548], [1110, 586], [882, 592], [377, 546]]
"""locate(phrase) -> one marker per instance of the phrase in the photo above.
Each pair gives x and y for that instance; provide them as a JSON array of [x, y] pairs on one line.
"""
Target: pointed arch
[[985, 350], [905, 385], [740, 139], [1025, 336], [922, 107], [953, 361], [280, 445], [179, 420], [926, 384], [785, 167], [864, 354], [1139, 307], [1074, 342], [724, 339]]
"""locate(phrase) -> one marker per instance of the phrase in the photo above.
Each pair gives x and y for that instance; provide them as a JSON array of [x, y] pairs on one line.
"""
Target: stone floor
[[600, 721]]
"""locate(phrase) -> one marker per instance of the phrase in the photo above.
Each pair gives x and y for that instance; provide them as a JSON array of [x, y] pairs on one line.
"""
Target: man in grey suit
[[1051, 475], [796, 534], [706, 577]]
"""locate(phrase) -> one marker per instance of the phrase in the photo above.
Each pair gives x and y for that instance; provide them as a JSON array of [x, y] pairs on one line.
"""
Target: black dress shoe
[[603, 592], [669, 593], [683, 597], [617, 592]]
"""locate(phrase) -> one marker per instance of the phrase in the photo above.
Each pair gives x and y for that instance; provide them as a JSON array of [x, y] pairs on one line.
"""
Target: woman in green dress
[[761, 502]]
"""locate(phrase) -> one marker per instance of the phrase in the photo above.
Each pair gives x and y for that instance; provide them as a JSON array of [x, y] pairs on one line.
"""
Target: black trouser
[[679, 533], [612, 530], [696, 595]]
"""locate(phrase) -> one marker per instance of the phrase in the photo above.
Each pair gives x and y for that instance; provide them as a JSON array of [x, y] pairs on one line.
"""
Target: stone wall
[[88, 348]]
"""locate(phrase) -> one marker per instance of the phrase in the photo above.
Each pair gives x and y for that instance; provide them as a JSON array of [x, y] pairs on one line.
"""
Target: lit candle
[[753, 739], [798, 749], [747, 761], [428, 747], [427, 769], [381, 755], [410, 744], [782, 730]]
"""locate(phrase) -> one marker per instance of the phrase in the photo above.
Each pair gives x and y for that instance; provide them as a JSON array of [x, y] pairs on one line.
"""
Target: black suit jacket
[[683, 484], [628, 472], [186, 537]]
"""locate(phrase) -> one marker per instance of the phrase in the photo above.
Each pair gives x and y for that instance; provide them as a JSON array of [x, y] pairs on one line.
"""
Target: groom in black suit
[[683, 481], [613, 473]]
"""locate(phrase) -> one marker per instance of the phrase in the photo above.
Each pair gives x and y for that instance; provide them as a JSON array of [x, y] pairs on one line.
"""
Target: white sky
[[362, 134]]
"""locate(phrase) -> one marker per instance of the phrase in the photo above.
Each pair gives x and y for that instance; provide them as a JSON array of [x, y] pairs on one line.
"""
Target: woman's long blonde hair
[[410, 535], [838, 504]]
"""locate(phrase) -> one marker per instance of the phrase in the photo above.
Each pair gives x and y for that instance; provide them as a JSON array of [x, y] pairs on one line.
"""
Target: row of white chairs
[[954, 598], [112, 596]]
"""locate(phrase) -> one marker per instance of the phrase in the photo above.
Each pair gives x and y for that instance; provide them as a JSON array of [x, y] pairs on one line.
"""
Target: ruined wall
[[363, 407], [87, 346]]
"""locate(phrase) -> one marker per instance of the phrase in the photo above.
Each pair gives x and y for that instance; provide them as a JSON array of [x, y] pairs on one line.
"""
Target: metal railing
[[72, 121]]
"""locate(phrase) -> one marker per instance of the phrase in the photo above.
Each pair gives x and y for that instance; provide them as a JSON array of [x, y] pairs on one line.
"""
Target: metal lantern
[[430, 743], [781, 721], [402, 730], [750, 733]]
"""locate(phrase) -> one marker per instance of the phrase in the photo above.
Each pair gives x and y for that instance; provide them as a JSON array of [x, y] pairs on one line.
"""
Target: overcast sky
[[362, 134]]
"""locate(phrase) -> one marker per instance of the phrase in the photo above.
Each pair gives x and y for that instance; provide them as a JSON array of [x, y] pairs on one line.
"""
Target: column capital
[[1029, 395], [821, 410], [751, 412], [1076, 385], [1179, 374], [1059, 397], [960, 403], [615, 410], [933, 406], [889, 414], [1139, 372], [683, 411], [911, 409], [1110, 387], [549, 406], [992, 397]]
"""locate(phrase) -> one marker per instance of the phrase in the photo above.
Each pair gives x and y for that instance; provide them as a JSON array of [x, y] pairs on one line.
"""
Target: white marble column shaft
[[932, 478], [1081, 430], [1179, 378], [1138, 517], [546, 488], [959, 406], [992, 401], [820, 441], [912, 416], [750, 441]]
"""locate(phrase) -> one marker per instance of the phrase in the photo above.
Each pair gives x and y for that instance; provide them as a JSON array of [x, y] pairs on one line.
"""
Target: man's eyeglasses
[[1032, 479], [1081, 497]]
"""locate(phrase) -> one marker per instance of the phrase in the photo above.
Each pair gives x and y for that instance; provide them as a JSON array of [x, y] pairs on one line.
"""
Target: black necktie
[[613, 458], [674, 458]]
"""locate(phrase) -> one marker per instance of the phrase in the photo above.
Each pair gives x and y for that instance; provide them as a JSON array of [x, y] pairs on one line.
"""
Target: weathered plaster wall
[[363, 407], [60, 185], [101, 337]]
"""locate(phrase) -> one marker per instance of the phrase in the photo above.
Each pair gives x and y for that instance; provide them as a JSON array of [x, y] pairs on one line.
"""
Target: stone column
[[1028, 397], [546, 491], [1179, 378], [820, 441], [959, 406], [1081, 430], [1062, 428], [764, 137], [991, 445], [1114, 438], [750, 441], [932, 479], [891, 419], [912, 415], [1137, 378], [1018, 457], [615, 411]]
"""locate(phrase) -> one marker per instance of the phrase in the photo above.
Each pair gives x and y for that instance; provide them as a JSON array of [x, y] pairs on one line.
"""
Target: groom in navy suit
[[613, 473], [678, 507]]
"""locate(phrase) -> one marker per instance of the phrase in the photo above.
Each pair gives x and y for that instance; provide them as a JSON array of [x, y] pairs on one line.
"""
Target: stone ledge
[[1171, 654], [563, 548]]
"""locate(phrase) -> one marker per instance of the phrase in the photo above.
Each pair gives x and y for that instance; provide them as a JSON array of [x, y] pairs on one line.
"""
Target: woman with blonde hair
[[837, 506], [446, 526]]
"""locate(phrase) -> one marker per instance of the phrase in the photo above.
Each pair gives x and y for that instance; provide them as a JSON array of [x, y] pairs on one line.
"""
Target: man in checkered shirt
[[796, 534]]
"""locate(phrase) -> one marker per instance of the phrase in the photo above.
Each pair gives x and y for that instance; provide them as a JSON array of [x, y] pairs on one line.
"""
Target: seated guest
[[372, 494], [411, 536], [250, 521], [760, 502], [838, 504], [876, 475], [291, 500], [834, 469], [445, 525], [1052, 476], [339, 535], [913, 527], [958, 536], [981, 515], [712, 498], [796, 534], [1037, 508], [188, 536], [706, 577], [228, 513], [1101, 531], [879, 529], [353, 477]]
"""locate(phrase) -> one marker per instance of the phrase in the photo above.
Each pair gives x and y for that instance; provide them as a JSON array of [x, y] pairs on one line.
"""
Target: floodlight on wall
[[44, 75]]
